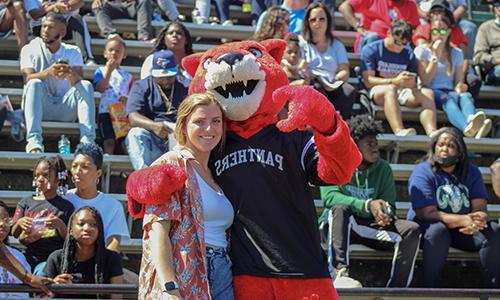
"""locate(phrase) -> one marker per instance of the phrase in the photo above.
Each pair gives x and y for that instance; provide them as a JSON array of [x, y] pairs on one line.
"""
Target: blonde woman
[[184, 242]]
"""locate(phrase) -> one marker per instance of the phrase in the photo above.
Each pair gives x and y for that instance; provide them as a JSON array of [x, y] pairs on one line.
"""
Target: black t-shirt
[[266, 177], [112, 268], [39, 250]]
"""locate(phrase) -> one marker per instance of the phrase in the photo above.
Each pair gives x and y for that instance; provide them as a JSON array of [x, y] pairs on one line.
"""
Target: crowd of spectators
[[422, 55]]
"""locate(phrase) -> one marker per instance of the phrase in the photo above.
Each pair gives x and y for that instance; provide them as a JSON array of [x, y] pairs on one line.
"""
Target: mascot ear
[[190, 63], [275, 47]]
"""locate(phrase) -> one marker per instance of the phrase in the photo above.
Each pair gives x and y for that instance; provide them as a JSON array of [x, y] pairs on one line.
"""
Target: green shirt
[[375, 182]]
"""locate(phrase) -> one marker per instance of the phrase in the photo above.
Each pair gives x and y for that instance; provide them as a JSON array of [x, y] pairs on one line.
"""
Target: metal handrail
[[84, 288]]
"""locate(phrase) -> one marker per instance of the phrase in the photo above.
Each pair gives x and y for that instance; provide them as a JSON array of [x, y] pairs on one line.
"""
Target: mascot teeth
[[239, 87]]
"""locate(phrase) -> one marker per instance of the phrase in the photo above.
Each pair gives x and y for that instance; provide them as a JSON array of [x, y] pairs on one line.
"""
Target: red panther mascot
[[266, 167]]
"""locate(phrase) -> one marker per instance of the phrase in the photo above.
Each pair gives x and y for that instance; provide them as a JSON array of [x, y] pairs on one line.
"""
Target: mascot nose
[[230, 58]]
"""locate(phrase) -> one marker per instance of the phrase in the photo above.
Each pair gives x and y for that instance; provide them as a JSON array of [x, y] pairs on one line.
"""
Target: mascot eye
[[255, 52], [206, 63]]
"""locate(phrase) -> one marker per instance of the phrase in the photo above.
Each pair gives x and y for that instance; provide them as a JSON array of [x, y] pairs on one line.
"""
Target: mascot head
[[242, 76]]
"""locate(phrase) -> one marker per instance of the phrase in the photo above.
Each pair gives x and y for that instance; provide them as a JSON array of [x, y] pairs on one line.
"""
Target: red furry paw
[[153, 185], [306, 107]]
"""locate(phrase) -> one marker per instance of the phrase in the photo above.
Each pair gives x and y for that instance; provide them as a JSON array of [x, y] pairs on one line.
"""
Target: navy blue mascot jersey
[[266, 177]]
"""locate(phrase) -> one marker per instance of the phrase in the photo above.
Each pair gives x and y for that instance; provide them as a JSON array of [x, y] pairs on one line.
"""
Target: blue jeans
[[437, 239], [493, 77], [457, 107], [144, 147], [366, 39], [470, 31], [78, 102], [220, 277]]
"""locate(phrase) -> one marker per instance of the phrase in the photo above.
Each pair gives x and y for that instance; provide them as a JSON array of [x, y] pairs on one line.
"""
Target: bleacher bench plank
[[211, 31], [15, 160]]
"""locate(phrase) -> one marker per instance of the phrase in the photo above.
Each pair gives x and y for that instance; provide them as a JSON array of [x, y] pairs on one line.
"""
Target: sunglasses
[[400, 43], [442, 31], [320, 19]]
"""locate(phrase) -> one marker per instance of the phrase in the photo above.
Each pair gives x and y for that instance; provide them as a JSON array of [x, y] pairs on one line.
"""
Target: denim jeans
[[220, 277], [169, 8], [78, 102], [493, 77], [366, 39], [457, 107], [144, 147], [437, 239], [470, 31], [221, 7]]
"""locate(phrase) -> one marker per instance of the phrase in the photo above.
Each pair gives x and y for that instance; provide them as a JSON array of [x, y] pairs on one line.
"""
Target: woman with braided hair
[[84, 257], [40, 220]]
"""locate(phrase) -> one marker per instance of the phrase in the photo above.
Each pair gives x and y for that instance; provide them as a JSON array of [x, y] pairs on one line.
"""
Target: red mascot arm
[[338, 154], [153, 185]]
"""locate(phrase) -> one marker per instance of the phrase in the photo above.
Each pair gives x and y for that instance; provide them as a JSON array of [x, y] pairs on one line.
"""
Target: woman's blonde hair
[[187, 107]]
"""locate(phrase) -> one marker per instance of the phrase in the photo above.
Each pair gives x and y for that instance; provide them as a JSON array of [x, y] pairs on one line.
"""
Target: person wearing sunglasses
[[327, 59], [376, 18], [440, 67], [487, 47], [389, 71]]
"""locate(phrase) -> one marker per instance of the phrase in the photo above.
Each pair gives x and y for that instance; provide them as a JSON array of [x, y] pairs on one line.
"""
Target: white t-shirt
[[324, 64], [441, 79], [218, 214], [111, 211], [37, 56], [119, 85], [7, 277], [147, 67]]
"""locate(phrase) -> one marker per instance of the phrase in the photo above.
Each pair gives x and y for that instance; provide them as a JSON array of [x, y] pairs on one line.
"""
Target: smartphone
[[62, 61], [77, 277]]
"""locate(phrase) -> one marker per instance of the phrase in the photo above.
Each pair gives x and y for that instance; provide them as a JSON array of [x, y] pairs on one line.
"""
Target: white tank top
[[218, 213]]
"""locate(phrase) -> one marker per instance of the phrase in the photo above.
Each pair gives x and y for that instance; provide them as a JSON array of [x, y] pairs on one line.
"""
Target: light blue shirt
[[441, 79], [324, 64]]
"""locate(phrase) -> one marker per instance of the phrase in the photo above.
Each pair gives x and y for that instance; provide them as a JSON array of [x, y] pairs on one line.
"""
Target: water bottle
[[64, 145]]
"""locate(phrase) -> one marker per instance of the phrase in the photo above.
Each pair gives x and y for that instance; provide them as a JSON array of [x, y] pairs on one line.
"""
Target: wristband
[[367, 206]]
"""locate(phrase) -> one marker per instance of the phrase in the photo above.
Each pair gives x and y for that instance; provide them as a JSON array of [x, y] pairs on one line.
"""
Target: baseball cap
[[440, 4], [164, 64]]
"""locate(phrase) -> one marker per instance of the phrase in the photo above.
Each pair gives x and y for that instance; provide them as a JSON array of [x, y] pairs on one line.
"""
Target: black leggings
[[342, 98], [436, 242]]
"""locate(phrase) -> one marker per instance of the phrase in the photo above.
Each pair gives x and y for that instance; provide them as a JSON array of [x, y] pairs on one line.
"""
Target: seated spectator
[[13, 16], [275, 24], [152, 103], [139, 10], [40, 220], [449, 199], [422, 36], [77, 28], [5, 275], [495, 177], [361, 209], [296, 9], [487, 48], [376, 18], [3, 114], [294, 67], [84, 258], [176, 38], [114, 84], [327, 59], [86, 169], [389, 71], [440, 68], [54, 88]]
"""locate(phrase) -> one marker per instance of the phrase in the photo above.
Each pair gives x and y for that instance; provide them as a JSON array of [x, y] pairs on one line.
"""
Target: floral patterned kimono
[[185, 211]]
